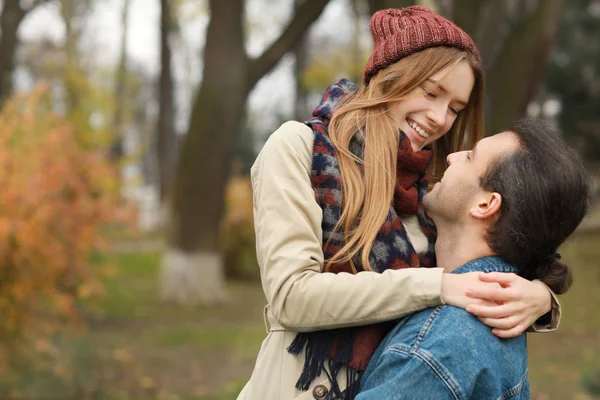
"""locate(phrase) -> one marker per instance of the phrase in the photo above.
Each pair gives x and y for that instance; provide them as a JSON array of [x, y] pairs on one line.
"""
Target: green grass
[[136, 347], [214, 337], [560, 361], [130, 289]]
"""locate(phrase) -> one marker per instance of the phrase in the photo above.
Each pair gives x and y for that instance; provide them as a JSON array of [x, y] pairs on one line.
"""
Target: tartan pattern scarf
[[328, 351]]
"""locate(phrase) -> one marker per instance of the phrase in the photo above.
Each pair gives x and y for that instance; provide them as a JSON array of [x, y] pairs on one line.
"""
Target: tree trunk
[[11, 18], [166, 114], [71, 99], [515, 76], [204, 164], [301, 109], [116, 149], [359, 9]]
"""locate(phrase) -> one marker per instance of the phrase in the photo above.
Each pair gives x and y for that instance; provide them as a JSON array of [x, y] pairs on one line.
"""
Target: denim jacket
[[446, 353]]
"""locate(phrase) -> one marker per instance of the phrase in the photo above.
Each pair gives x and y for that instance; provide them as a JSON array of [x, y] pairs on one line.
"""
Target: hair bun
[[551, 258], [555, 274]]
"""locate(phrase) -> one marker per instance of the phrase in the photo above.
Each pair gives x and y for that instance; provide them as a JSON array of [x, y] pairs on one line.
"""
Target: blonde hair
[[368, 194]]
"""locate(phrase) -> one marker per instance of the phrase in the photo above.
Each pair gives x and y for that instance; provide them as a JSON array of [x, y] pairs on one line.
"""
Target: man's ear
[[487, 206]]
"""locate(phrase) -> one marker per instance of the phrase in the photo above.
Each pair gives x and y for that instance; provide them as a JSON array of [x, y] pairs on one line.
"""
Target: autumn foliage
[[56, 193]]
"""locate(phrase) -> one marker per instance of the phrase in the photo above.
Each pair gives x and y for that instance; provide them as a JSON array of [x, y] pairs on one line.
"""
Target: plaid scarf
[[353, 347]]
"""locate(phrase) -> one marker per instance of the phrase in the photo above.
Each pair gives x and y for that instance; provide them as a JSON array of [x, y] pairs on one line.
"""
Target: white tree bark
[[192, 278]]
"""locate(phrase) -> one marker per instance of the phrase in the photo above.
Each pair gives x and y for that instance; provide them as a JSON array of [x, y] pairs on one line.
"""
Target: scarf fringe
[[353, 378], [317, 347]]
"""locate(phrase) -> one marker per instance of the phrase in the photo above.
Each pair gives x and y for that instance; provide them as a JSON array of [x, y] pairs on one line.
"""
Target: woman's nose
[[437, 115]]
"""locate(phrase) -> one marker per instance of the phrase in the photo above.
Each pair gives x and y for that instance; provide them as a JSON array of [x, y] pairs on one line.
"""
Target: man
[[505, 206]]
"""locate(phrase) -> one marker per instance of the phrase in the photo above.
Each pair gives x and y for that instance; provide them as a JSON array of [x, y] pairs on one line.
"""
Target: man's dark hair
[[546, 192]]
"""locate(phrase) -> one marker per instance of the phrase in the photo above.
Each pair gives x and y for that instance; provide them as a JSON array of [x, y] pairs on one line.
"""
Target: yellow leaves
[[62, 371], [329, 68], [238, 200], [122, 355], [146, 382], [45, 346], [89, 289], [237, 225], [56, 193]]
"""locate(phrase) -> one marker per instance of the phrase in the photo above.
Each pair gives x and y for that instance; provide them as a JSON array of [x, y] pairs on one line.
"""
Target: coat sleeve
[[287, 222], [551, 320]]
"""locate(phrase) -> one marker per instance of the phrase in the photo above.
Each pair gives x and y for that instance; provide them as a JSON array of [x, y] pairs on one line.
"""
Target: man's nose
[[450, 158]]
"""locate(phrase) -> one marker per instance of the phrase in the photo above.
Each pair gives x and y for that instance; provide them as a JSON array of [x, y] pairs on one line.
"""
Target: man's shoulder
[[445, 330], [455, 344]]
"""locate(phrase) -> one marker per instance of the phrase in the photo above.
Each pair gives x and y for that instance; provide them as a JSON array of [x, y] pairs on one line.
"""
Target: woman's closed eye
[[429, 93]]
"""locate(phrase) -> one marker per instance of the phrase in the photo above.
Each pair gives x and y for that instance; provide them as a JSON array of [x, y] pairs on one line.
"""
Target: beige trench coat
[[299, 297]]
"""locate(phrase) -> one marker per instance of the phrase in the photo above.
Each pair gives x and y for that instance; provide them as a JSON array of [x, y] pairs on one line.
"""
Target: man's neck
[[457, 245]]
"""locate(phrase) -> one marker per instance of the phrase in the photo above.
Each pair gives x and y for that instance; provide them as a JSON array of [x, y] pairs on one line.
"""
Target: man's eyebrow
[[443, 89]]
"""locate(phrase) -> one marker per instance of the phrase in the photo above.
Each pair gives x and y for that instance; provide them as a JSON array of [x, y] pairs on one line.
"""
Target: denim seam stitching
[[515, 389], [443, 374], [427, 327]]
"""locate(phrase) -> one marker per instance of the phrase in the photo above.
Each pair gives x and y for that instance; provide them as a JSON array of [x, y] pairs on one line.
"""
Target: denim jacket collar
[[486, 264]]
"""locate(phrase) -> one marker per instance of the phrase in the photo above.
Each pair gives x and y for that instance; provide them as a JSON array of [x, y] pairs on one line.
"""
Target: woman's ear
[[487, 206]]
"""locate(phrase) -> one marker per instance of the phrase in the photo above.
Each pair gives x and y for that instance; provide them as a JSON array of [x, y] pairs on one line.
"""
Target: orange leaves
[[55, 194]]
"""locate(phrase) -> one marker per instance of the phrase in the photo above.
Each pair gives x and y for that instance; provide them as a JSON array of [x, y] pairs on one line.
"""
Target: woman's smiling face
[[428, 112]]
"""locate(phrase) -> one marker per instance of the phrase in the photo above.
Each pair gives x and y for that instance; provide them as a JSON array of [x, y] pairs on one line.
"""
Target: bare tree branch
[[305, 15]]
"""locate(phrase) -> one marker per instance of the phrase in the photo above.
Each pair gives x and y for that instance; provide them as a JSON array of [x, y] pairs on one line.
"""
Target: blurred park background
[[127, 130]]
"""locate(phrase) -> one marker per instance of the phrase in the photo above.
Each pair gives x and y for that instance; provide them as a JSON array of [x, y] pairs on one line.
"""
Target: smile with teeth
[[418, 129]]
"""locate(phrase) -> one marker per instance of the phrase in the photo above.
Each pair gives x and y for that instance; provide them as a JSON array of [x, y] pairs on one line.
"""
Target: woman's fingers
[[503, 278], [502, 323], [520, 303], [493, 293], [497, 311], [510, 333]]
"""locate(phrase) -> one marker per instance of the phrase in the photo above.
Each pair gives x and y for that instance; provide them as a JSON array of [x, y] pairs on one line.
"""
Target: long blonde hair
[[368, 194]]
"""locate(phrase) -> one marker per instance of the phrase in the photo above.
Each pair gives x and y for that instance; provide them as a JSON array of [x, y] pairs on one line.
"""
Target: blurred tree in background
[[13, 13], [193, 266], [573, 76], [116, 149], [515, 39], [166, 139]]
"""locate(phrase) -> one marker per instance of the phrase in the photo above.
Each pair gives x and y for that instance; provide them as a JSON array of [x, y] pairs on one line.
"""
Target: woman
[[342, 194]]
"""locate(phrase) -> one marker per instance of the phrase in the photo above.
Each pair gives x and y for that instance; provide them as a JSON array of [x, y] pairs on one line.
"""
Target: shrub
[[237, 231], [56, 193]]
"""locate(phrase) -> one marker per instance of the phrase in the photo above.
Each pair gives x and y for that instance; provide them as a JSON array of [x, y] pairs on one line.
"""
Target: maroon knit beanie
[[398, 33]]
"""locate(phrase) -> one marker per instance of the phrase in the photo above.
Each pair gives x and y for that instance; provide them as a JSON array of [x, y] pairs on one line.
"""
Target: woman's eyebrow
[[443, 89]]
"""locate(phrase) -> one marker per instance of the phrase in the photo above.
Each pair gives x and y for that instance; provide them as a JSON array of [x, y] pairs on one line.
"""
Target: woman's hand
[[519, 303], [455, 287]]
